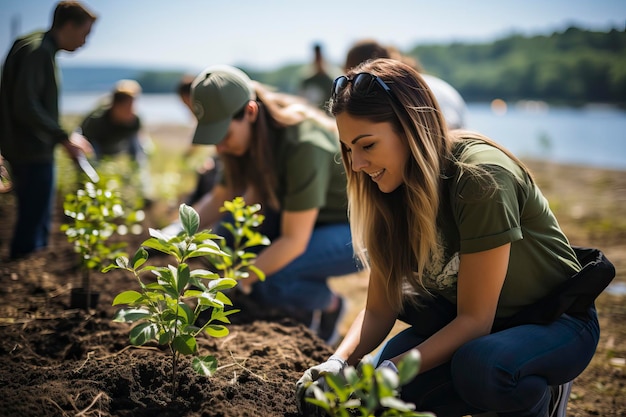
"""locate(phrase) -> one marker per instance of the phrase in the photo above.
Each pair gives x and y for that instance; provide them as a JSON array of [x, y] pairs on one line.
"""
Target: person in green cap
[[283, 153]]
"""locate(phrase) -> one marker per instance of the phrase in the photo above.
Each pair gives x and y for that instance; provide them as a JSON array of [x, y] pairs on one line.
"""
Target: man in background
[[114, 128], [316, 87], [29, 121]]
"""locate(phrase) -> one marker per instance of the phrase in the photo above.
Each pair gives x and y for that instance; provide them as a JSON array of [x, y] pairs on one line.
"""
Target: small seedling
[[166, 310], [94, 215], [366, 391], [244, 236]]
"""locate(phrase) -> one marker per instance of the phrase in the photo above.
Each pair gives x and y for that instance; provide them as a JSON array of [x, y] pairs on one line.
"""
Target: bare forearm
[[366, 333]]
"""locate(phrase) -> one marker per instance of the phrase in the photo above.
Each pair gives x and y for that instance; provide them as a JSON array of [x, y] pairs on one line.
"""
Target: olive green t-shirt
[[310, 173], [476, 216]]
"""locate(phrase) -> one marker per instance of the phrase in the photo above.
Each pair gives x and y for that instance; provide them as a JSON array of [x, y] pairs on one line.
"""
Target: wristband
[[338, 359]]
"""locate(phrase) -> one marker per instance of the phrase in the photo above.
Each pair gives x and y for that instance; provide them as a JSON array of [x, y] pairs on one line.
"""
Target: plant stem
[[174, 373], [87, 287]]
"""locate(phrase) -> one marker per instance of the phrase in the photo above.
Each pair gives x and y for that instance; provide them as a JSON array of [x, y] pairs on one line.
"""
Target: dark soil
[[57, 361]]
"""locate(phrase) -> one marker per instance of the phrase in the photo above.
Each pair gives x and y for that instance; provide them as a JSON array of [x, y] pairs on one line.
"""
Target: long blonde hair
[[395, 234]]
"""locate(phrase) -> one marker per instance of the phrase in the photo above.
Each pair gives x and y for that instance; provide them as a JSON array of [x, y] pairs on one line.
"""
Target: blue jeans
[[302, 284], [34, 189], [508, 372]]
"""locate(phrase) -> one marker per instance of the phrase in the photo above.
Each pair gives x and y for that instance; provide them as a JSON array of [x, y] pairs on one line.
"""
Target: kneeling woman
[[457, 236], [284, 154]]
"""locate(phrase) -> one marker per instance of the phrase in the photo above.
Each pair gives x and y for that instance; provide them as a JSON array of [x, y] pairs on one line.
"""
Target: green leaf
[[205, 235], [192, 294], [221, 315], [185, 344], [182, 277], [203, 273], [336, 383], [205, 250], [319, 396], [223, 298], [131, 315], [126, 297], [158, 245], [352, 377], [143, 333], [409, 366], [122, 262], [221, 284], [185, 313], [208, 299], [319, 403], [388, 379], [204, 365], [216, 330], [397, 404], [140, 258], [157, 235], [257, 271], [189, 218], [165, 338]]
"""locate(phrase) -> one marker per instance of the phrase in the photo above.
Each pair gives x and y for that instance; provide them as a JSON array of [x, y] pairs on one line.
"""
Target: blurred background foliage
[[572, 67]]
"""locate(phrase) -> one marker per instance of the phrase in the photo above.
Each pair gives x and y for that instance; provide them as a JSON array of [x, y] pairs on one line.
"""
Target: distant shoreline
[[174, 134]]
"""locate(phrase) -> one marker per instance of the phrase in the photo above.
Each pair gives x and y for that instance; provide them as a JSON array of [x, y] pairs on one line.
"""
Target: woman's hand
[[315, 375]]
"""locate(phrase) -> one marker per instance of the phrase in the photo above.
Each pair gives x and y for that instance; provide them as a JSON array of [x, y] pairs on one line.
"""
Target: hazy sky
[[265, 34]]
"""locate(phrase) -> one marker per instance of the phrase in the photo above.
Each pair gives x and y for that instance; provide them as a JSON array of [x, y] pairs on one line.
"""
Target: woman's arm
[[296, 230], [208, 207], [481, 276], [372, 324]]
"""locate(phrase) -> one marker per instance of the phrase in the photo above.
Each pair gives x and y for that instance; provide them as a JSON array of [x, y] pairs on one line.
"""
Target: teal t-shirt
[[475, 216]]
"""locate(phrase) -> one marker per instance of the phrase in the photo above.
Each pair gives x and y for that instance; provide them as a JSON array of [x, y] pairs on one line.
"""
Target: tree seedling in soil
[[94, 215], [245, 220], [166, 310], [365, 391]]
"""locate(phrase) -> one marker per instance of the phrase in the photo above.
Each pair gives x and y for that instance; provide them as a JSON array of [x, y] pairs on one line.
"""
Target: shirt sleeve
[[488, 210]]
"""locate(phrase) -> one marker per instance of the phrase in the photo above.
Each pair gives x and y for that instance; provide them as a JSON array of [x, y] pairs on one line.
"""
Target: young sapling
[[94, 215], [367, 391], [165, 310]]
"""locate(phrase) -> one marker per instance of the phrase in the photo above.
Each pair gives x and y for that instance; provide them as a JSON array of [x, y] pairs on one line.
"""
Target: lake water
[[594, 135]]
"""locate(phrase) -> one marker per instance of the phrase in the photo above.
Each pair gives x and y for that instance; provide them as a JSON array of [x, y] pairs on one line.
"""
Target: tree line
[[572, 67]]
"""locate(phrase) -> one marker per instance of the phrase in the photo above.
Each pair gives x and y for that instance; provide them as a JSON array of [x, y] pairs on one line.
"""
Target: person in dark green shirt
[[281, 152], [114, 128], [29, 121], [315, 88], [457, 236]]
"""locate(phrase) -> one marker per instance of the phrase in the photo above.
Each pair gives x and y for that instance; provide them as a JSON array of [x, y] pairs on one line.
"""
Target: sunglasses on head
[[362, 84]]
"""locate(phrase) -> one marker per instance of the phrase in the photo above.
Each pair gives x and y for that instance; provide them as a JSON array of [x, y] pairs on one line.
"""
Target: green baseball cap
[[217, 94]]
